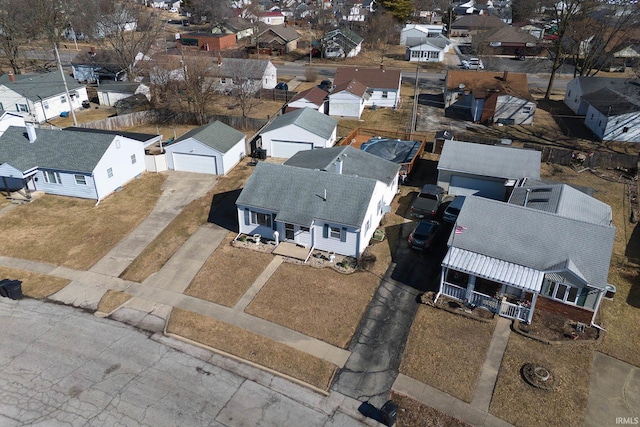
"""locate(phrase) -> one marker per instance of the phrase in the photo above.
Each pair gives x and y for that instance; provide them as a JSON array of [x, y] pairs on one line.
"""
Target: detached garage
[[466, 168], [299, 130], [214, 148]]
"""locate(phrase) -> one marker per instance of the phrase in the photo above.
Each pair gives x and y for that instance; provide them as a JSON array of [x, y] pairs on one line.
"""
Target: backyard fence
[[592, 159]]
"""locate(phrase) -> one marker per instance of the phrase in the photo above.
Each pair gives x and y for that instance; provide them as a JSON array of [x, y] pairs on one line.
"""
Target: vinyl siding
[[572, 97], [193, 147], [349, 247], [251, 229], [233, 156], [615, 126], [510, 107], [393, 96], [345, 104], [68, 186], [118, 157], [382, 195], [293, 133]]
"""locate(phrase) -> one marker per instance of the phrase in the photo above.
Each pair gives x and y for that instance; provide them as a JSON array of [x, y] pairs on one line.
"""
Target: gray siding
[[68, 186]]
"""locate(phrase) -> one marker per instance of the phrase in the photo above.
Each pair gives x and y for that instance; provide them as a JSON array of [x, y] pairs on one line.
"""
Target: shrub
[[366, 260], [311, 74]]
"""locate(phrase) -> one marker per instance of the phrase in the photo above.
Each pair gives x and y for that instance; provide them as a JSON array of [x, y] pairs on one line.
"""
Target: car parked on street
[[427, 202], [453, 210], [422, 237], [282, 86], [472, 64]]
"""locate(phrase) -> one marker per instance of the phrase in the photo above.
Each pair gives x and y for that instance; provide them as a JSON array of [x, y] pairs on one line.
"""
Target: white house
[[331, 200], [214, 148], [41, 96], [272, 18], [466, 168], [64, 162], [341, 43], [348, 99], [110, 93], [432, 50], [382, 86], [299, 130], [581, 86], [314, 98], [11, 118], [613, 115], [416, 34]]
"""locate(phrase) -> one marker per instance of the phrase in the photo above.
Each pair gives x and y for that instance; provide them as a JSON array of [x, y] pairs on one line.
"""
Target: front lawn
[[34, 285]]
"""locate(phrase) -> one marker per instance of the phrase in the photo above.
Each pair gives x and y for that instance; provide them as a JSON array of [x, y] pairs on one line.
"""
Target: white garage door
[[465, 186], [286, 149], [194, 163]]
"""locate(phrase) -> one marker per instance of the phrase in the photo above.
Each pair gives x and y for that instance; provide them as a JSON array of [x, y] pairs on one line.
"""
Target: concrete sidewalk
[[180, 189]]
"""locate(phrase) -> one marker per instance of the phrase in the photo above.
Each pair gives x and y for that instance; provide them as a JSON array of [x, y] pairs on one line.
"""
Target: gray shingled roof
[[307, 119], [142, 137], [489, 160], [45, 85], [354, 162], [234, 67], [297, 194], [593, 84], [62, 150], [534, 238], [216, 135], [562, 200], [613, 103]]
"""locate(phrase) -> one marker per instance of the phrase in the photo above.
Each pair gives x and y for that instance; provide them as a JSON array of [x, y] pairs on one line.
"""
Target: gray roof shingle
[[489, 160], [297, 194], [534, 238], [36, 86], [216, 135], [308, 119], [63, 150], [354, 162]]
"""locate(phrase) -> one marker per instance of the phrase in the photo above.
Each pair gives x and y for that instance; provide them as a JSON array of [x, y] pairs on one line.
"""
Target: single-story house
[[466, 168], [41, 96], [562, 268], [331, 200], [111, 92], [214, 148], [510, 41], [272, 17], [208, 41], [11, 118], [94, 66], [348, 99], [432, 50], [276, 39], [239, 26], [48, 160], [416, 34], [582, 86], [468, 25], [314, 98], [613, 115], [490, 97], [382, 86], [299, 130], [627, 57], [341, 43], [147, 139]]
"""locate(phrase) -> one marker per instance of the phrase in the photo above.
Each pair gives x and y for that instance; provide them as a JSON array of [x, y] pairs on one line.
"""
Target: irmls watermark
[[627, 420]]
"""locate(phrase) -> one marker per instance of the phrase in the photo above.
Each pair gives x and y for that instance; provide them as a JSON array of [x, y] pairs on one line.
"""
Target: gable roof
[[45, 85], [509, 35], [374, 78], [119, 87], [352, 86], [315, 95], [483, 83], [562, 200], [54, 149], [230, 67], [354, 162], [308, 119], [237, 24], [216, 135], [593, 84], [344, 37], [489, 160], [297, 194], [614, 103], [282, 31], [477, 22], [533, 238], [437, 42]]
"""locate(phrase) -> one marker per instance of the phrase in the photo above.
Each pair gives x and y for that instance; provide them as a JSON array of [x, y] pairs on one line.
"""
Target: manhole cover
[[538, 376]]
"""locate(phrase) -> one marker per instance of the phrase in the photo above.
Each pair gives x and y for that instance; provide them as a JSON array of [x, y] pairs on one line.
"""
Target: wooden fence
[[593, 159], [276, 95]]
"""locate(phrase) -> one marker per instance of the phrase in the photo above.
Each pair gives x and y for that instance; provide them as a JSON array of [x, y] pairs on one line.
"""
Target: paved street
[[62, 366]]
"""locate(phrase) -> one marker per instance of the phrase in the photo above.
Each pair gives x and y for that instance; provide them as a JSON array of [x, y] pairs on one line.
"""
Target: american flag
[[460, 229]]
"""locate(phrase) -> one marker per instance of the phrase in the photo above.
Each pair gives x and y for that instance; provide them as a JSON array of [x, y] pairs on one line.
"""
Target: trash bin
[[261, 153], [13, 289], [64, 114], [389, 411], [3, 291]]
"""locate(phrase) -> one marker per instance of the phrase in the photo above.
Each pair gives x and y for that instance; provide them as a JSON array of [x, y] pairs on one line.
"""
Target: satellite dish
[[461, 86]]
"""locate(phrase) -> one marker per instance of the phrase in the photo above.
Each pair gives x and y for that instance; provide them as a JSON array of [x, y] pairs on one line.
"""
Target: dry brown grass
[[85, 116], [412, 413], [446, 351], [4, 202], [324, 304], [228, 273], [74, 232], [111, 300], [34, 285], [158, 252], [252, 347], [523, 405]]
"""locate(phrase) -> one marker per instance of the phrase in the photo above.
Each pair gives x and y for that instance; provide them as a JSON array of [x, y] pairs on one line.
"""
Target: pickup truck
[[427, 202]]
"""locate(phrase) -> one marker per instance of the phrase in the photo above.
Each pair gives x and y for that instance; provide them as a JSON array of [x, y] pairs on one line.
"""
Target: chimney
[[92, 51], [31, 132], [12, 77], [339, 166], [505, 75]]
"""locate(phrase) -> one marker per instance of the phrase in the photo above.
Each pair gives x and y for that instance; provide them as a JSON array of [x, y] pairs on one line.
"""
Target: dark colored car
[[325, 85], [423, 235], [427, 202], [282, 86]]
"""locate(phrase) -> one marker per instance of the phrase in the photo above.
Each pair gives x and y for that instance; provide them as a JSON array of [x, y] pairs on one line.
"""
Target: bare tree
[[246, 76], [214, 11], [200, 83], [381, 34], [13, 16]]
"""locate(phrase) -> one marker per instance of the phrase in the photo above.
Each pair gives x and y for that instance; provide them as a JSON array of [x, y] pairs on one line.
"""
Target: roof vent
[[31, 132]]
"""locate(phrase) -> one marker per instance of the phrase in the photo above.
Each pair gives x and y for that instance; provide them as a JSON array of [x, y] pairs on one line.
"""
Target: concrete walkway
[[248, 296], [180, 189]]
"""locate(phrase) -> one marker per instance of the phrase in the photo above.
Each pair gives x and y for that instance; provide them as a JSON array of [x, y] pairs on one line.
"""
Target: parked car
[[282, 86], [453, 210], [325, 85], [422, 237], [185, 23], [174, 10], [473, 64], [427, 202]]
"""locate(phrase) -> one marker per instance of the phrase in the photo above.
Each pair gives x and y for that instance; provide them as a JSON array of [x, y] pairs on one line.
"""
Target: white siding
[[233, 156], [596, 121], [378, 98], [251, 229], [345, 104], [49, 108], [194, 163], [382, 196], [193, 147], [287, 149], [110, 98], [293, 133], [572, 97], [118, 158], [9, 119], [349, 247], [510, 107], [68, 185], [270, 77]]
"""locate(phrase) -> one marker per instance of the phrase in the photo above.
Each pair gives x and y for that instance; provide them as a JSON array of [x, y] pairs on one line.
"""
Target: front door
[[289, 231]]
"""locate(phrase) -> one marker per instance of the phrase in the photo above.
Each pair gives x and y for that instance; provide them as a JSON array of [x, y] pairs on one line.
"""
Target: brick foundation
[[569, 311]]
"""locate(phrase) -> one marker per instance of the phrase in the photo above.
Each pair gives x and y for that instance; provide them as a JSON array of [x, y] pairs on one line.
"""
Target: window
[[80, 179], [223, 80], [63, 99], [52, 177], [334, 232], [526, 110], [385, 94], [45, 104], [1, 107], [625, 129], [133, 159], [415, 54], [261, 219], [110, 172], [569, 94], [566, 293], [304, 229], [367, 225], [22, 107], [434, 55]]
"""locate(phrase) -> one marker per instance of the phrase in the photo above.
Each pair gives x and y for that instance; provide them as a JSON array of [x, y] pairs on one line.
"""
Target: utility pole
[[66, 88]]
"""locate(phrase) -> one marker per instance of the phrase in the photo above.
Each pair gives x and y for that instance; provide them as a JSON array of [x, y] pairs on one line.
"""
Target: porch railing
[[481, 300], [454, 291], [514, 311]]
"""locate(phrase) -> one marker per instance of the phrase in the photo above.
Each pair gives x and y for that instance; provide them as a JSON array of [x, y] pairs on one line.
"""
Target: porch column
[[443, 274], [470, 286], [533, 304]]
